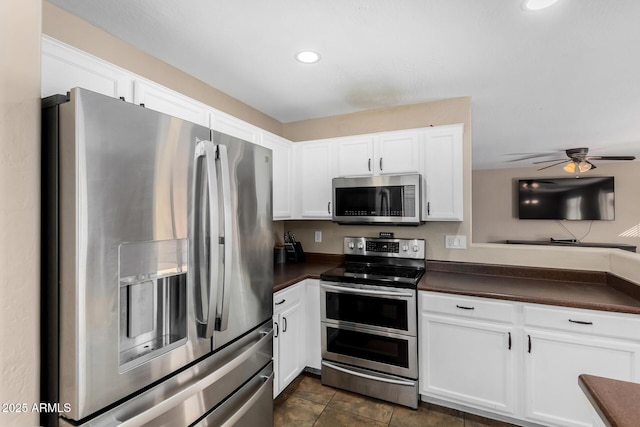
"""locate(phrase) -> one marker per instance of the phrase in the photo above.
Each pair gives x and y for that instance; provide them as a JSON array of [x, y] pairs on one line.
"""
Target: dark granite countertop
[[567, 288], [288, 274], [616, 402]]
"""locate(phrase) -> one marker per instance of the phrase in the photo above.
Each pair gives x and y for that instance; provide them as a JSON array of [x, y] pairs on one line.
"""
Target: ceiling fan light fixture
[[570, 167], [585, 166], [533, 5]]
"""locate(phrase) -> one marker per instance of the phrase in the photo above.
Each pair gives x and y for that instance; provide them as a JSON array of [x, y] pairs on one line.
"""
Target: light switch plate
[[455, 241], [318, 237]]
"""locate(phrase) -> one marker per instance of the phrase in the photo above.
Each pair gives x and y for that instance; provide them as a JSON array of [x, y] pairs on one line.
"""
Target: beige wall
[[495, 214], [19, 208], [447, 111], [78, 33]]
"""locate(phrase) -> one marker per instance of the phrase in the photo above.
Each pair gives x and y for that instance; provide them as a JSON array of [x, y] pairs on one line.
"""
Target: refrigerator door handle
[[229, 243], [154, 412], [206, 149]]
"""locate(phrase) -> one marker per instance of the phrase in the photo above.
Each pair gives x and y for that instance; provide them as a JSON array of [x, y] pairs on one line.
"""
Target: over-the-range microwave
[[389, 199]]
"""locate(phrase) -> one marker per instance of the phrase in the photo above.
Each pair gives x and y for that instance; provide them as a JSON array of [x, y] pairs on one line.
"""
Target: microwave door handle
[[208, 291], [228, 239]]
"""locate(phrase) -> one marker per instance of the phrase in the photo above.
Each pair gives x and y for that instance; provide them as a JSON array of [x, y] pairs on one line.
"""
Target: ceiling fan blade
[[555, 164], [554, 160], [529, 156], [610, 157]]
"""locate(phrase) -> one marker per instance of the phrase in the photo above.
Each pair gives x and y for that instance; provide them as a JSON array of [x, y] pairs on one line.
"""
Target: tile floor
[[307, 403]]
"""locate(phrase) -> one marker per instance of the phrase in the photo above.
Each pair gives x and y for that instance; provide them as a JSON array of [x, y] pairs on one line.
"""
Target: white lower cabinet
[[296, 325], [521, 360], [288, 326], [463, 359], [564, 343]]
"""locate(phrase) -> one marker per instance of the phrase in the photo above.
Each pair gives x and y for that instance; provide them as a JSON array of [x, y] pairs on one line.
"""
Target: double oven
[[369, 326]]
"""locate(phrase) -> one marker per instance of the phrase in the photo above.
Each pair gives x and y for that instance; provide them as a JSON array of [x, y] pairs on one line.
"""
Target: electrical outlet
[[318, 237], [455, 241]]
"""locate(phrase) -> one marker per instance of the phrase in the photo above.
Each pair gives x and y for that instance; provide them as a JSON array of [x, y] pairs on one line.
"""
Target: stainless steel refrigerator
[[157, 272]]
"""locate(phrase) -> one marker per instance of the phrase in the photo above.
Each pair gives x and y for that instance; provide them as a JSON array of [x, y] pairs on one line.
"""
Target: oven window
[[362, 345], [370, 201], [375, 311]]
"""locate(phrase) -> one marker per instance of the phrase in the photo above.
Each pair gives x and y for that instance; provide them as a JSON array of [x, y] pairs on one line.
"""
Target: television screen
[[589, 198]]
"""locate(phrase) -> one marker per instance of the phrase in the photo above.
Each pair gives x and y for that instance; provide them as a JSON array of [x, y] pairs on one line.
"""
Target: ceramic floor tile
[[296, 412], [311, 388], [366, 407], [336, 418], [425, 417]]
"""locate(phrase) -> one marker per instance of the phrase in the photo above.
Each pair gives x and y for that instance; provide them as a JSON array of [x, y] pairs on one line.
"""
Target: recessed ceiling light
[[308, 57], [537, 4]]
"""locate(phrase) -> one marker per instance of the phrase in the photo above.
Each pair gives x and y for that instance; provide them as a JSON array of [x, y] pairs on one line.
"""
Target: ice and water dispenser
[[153, 299]]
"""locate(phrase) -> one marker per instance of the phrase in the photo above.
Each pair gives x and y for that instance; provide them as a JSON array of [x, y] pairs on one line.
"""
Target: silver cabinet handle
[[380, 164], [465, 307], [329, 207], [205, 157], [369, 377], [281, 302], [369, 164], [284, 325]]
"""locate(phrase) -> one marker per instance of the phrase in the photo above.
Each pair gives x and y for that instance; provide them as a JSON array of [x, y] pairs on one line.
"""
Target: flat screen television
[[584, 198]]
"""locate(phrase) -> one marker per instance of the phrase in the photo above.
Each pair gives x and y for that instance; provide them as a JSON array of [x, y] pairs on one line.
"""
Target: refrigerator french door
[[157, 279]]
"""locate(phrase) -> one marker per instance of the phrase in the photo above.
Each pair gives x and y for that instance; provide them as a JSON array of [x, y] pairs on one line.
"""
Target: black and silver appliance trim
[[384, 200]]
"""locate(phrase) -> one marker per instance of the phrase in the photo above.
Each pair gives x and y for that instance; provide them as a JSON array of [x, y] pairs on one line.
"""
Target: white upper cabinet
[[64, 67], [159, 98], [354, 156], [397, 153], [282, 171], [314, 171], [443, 174], [390, 153]]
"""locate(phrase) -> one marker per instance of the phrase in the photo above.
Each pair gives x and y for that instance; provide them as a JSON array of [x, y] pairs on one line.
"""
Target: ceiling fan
[[579, 159]]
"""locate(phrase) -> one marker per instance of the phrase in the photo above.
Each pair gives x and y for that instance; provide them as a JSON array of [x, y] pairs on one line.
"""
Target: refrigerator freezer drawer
[[250, 406], [183, 399]]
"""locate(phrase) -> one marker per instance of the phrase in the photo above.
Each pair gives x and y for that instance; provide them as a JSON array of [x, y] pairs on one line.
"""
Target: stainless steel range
[[369, 327]]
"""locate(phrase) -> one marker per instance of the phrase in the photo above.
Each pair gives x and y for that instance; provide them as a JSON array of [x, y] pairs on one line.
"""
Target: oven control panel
[[394, 248]]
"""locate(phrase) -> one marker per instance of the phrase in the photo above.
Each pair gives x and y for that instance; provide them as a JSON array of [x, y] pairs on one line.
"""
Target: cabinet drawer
[[288, 296], [476, 308], [590, 322]]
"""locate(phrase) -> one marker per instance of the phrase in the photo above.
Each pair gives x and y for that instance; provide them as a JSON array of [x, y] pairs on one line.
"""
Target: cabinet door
[[312, 326], [553, 362], [291, 344], [397, 153], [443, 174], [282, 166], [315, 173], [468, 362], [159, 98], [64, 67], [355, 157]]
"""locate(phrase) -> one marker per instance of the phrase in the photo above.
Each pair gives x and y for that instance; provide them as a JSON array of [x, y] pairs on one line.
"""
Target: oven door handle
[[369, 377], [366, 291]]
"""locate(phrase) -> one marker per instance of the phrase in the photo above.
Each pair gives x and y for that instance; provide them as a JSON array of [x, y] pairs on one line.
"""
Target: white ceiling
[[540, 82]]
